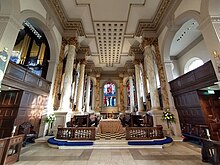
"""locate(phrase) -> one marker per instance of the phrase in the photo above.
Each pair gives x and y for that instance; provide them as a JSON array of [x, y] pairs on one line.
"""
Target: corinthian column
[[131, 93], [66, 94], [58, 80], [138, 88], [162, 77], [121, 105], [88, 93], [79, 98], [149, 66]]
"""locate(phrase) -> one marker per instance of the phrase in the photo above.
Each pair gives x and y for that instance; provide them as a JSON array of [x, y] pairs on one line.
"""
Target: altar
[[110, 125]]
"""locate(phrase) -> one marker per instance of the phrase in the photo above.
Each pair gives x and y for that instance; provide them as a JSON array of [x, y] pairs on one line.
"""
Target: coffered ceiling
[[110, 27]]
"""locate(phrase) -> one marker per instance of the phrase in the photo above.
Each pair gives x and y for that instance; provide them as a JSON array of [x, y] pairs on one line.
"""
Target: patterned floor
[[110, 136]]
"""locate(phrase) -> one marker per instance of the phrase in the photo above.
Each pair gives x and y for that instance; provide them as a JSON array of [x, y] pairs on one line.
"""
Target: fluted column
[[149, 65], [162, 75], [121, 104], [138, 87], [145, 86], [58, 80], [131, 93], [66, 94], [88, 85], [97, 94], [79, 98]]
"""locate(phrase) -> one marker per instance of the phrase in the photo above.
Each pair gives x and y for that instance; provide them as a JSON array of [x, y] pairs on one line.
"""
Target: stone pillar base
[[61, 119], [157, 116]]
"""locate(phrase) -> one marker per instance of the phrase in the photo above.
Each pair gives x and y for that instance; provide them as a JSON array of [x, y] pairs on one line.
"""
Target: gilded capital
[[82, 61], [146, 42], [137, 62], [72, 41], [64, 42]]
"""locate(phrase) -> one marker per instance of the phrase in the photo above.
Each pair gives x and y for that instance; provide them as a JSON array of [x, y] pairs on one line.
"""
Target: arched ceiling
[[110, 27]]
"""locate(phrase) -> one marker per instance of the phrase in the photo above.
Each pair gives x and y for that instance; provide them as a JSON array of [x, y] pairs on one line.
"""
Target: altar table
[[110, 125]]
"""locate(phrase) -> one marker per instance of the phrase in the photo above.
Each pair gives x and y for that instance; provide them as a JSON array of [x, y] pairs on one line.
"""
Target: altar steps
[[109, 144]]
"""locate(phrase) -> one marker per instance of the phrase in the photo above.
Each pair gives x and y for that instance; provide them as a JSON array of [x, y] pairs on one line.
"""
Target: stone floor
[[179, 153]]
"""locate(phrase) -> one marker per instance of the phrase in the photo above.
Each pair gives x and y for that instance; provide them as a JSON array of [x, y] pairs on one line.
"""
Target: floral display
[[51, 118], [168, 117]]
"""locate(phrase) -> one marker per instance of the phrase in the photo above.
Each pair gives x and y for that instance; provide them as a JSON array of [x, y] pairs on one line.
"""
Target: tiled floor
[[178, 153]]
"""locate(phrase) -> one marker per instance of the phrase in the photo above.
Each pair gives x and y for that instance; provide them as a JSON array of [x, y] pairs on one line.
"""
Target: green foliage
[[168, 117], [51, 118]]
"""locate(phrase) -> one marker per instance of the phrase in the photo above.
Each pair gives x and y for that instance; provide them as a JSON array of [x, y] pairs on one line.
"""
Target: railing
[[210, 151], [10, 149], [79, 133], [144, 133]]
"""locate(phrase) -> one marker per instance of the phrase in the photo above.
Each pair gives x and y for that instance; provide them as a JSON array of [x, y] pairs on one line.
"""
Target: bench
[[27, 129]]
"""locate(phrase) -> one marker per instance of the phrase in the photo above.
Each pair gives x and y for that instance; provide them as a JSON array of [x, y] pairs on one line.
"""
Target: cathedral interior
[[128, 69]]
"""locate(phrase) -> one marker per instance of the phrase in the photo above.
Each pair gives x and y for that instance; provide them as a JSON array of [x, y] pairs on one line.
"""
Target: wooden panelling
[[22, 78], [9, 104], [31, 108], [187, 98], [199, 78]]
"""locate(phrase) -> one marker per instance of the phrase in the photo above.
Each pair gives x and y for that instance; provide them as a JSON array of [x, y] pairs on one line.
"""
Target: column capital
[[64, 42], [130, 72], [82, 61], [137, 62], [147, 42], [70, 41], [136, 52]]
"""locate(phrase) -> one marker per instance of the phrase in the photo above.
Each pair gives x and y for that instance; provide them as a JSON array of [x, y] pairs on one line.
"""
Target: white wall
[[200, 51]]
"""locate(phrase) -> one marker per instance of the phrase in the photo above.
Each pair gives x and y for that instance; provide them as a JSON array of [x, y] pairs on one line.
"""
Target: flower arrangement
[[168, 117], [51, 118]]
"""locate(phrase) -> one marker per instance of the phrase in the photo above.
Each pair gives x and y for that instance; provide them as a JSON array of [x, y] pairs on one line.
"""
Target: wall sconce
[[215, 53]]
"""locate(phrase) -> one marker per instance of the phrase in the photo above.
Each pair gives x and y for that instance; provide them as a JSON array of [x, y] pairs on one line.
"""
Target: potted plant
[[50, 120]]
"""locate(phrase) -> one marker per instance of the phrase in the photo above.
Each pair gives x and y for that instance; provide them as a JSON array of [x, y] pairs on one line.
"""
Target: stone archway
[[54, 45], [173, 26]]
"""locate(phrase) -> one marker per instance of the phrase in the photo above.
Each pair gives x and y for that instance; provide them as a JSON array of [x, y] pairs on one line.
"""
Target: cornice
[[67, 24], [152, 25]]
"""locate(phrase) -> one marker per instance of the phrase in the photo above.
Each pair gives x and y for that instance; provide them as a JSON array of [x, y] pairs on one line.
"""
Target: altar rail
[[78, 133], [10, 149], [144, 133]]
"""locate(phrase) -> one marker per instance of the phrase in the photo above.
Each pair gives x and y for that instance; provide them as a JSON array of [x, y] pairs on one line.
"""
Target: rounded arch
[[42, 23], [174, 26], [192, 63]]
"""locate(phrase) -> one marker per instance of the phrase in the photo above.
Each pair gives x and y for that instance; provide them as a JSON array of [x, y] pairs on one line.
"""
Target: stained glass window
[[109, 91]]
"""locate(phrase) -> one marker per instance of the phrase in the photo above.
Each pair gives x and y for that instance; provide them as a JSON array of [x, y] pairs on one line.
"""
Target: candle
[[207, 133], [14, 129]]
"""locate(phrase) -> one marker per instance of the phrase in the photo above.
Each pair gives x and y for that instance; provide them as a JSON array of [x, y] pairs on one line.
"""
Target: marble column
[[79, 98], [149, 65], [97, 94], [138, 86], [88, 85], [145, 87], [121, 104], [162, 75], [131, 93], [66, 93], [58, 80]]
